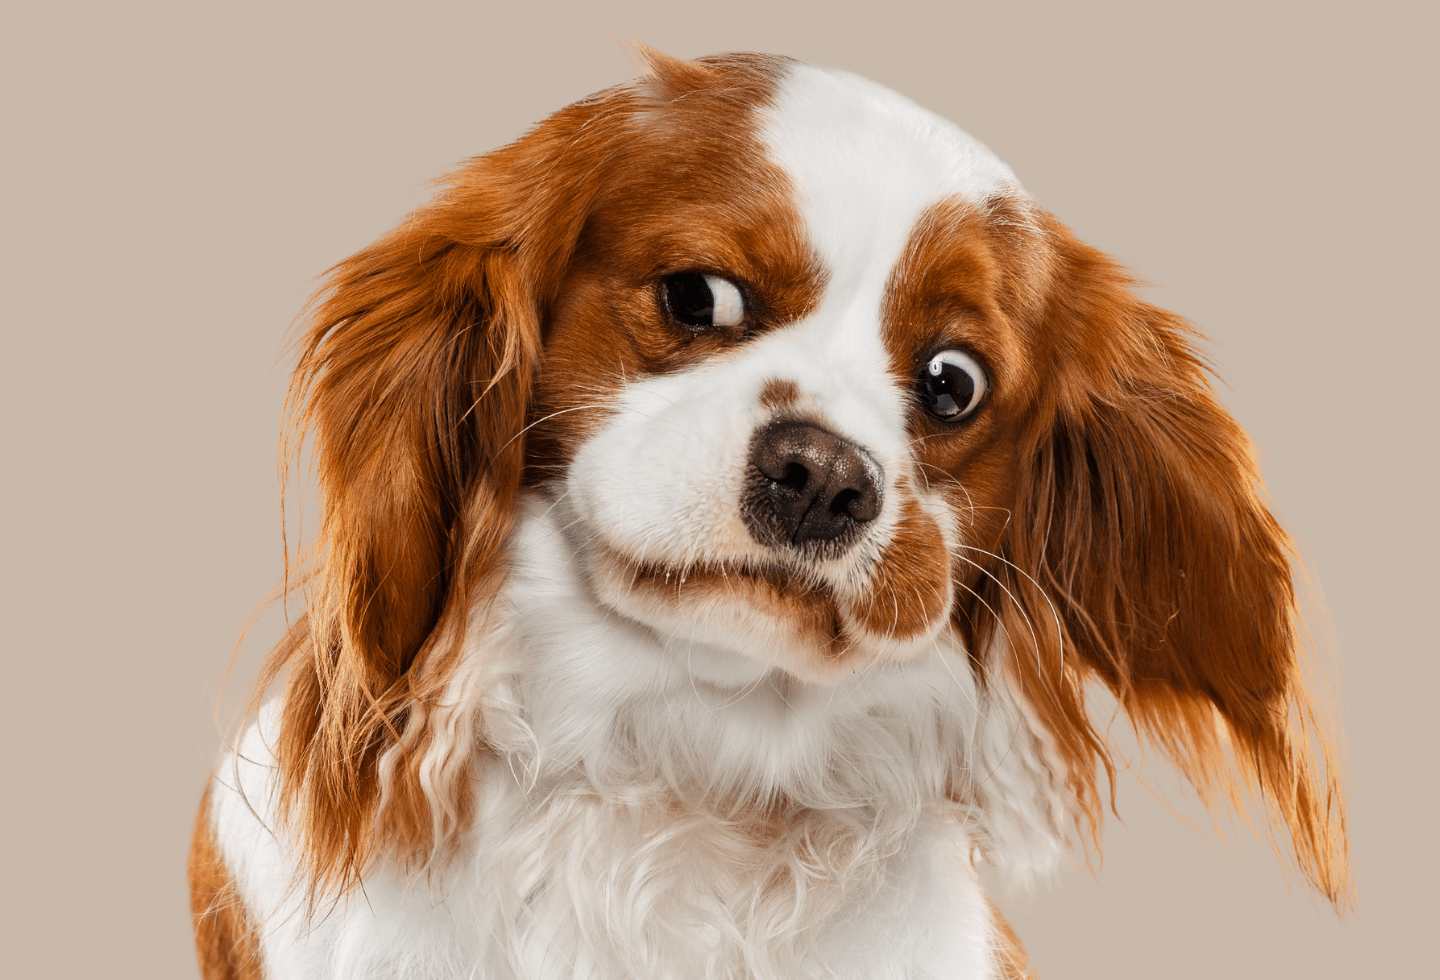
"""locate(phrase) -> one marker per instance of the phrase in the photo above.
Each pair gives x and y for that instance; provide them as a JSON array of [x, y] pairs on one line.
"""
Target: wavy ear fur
[[414, 378], [1154, 564]]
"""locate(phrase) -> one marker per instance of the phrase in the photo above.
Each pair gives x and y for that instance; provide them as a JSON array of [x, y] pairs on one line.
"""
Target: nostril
[[795, 476], [860, 502]]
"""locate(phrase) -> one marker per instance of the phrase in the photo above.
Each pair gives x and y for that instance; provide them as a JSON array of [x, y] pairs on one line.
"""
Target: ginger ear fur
[[1154, 565], [414, 379]]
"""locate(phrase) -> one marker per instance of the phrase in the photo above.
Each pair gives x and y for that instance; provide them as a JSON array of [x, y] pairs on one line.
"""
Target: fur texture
[[580, 692]]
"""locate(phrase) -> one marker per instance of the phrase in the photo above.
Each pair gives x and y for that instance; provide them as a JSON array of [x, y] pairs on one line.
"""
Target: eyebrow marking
[[778, 393]]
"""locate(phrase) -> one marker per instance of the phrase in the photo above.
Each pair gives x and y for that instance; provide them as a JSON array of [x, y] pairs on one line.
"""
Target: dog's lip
[[829, 627], [793, 582], [764, 587]]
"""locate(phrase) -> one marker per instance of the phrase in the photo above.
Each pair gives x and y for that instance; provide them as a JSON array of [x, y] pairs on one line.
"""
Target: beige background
[[174, 175]]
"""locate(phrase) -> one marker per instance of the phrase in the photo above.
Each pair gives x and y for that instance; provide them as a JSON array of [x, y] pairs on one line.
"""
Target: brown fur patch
[[778, 393], [962, 283], [225, 943]]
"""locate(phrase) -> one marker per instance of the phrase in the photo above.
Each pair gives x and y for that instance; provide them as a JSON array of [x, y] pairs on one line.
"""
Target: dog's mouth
[[782, 583], [781, 592], [781, 616]]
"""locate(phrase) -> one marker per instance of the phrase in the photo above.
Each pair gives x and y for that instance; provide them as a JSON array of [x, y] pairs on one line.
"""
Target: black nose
[[808, 485]]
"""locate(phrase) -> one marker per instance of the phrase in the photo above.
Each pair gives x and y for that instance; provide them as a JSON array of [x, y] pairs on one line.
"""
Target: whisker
[[546, 418], [1024, 615], [1059, 630]]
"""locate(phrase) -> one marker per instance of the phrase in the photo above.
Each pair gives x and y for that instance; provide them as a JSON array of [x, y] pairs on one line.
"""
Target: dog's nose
[[808, 485]]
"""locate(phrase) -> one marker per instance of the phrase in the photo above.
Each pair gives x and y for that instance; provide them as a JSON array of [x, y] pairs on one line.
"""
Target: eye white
[[729, 308]]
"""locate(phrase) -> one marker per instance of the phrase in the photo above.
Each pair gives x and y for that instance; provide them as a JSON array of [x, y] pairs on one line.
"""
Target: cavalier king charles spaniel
[[730, 490]]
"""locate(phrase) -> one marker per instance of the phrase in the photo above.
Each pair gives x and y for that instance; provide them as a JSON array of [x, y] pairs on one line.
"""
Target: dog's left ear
[[414, 381], [1140, 518]]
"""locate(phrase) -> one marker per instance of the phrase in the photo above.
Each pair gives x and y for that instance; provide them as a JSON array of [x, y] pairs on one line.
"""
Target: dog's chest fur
[[584, 888]]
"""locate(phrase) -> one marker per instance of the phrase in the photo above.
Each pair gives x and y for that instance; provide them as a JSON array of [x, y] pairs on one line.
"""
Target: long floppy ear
[[414, 379], [1154, 564]]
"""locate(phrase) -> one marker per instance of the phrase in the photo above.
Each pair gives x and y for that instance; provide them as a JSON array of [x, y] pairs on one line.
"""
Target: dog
[[730, 489]]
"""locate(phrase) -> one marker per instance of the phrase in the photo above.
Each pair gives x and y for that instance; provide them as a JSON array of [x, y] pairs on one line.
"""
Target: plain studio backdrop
[[176, 176]]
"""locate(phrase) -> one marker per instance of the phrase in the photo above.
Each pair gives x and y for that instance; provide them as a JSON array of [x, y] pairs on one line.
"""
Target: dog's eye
[[699, 300], [951, 385]]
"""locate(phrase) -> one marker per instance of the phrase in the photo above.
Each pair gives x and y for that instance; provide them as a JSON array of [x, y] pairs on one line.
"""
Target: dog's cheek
[[660, 481], [579, 382], [909, 588], [603, 337], [976, 479]]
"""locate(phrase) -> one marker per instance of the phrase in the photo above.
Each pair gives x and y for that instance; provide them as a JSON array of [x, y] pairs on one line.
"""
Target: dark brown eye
[[701, 301], [950, 385]]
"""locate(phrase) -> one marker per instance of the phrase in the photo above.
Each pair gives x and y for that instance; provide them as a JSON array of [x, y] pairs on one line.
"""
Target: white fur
[[866, 161], [626, 753]]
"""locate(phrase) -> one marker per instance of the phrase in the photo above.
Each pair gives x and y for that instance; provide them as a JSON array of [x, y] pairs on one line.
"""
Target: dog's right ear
[[414, 380], [1147, 542]]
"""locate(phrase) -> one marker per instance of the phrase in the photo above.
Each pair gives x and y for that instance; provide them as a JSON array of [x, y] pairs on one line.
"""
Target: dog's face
[[812, 381], [777, 394]]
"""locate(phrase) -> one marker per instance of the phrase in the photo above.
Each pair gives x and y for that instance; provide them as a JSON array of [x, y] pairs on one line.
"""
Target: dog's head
[[814, 382]]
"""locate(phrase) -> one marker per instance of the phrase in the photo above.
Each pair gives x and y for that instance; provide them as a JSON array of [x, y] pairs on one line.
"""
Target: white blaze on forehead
[[865, 163]]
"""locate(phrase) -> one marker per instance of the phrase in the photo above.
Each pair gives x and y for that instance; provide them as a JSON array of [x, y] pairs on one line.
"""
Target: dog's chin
[[731, 625]]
